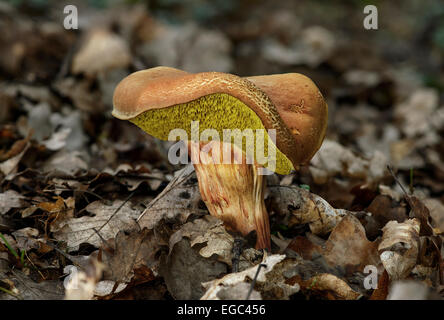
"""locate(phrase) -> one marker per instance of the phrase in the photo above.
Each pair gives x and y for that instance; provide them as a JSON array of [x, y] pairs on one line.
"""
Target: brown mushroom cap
[[289, 103], [301, 106]]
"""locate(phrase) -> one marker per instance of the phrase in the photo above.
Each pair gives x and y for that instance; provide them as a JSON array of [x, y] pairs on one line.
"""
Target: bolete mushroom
[[162, 99]]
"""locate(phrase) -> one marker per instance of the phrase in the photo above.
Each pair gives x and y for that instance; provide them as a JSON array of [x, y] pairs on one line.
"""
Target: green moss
[[216, 111]]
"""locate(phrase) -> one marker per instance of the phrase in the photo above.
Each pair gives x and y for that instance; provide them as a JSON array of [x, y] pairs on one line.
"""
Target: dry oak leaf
[[129, 252], [26, 288], [347, 247], [330, 286], [422, 213], [184, 271], [107, 221], [436, 209], [102, 50], [408, 290], [9, 166], [210, 233], [53, 207], [305, 207], [176, 202], [81, 284], [10, 199], [381, 292], [399, 247], [334, 159], [232, 279]]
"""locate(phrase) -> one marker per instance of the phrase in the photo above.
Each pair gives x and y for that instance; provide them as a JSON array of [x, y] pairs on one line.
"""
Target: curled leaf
[[305, 207], [399, 247]]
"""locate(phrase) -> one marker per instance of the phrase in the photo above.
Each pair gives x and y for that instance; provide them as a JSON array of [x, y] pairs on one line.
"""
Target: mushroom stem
[[233, 192]]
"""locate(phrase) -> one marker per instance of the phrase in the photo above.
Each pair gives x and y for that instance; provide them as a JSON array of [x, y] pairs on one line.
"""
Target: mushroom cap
[[289, 103], [301, 106]]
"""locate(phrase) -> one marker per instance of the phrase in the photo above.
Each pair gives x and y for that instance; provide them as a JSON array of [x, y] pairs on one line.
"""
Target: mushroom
[[161, 99]]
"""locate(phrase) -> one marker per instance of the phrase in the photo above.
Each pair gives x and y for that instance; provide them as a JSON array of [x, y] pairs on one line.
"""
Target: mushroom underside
[[217, 117]]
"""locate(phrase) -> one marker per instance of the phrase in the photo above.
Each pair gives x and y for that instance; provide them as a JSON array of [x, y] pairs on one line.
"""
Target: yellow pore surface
[[217, 111]]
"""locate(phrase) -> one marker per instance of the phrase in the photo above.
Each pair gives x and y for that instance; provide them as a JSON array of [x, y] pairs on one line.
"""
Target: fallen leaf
[[9, 166], [81, 284], [232, 279], [101, 50], [26, 238], [381, 292], [408, 290], [176, 202], [11, 199], [53, 207], [129, 252], [184, 271], [27, 289], [107, 221], [329, 286], [212, 238], [238, 291], [64, 163], [303, 207], [399, 247], [347, 248], [436, 209], [334, 159]]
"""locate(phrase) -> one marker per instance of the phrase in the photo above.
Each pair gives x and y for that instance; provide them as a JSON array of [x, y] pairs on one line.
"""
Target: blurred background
[[384, 87], [66, 163]]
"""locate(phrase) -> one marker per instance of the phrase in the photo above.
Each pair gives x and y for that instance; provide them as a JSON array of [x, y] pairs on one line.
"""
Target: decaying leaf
[[64, 163], [270, 281], [382, 211], [238, 291], [106, 222], [133, 177], [408, 290], [303, 206], [184, 271], [23, 287], [330, 286], [55, 207], [347, 247], [9, 166], [107, 287], [81, 284], [178, 46], [399, 247], [26, 238], [436, 208], [175, 203], [417, 112], [213, 239], [422, 214], [102, 50], [381, 292], [333, 159], [11, 199], [128, 252]]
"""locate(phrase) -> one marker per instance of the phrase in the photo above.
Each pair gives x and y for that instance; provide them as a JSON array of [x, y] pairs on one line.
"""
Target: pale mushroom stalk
[[233, 192], [162, 99]]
